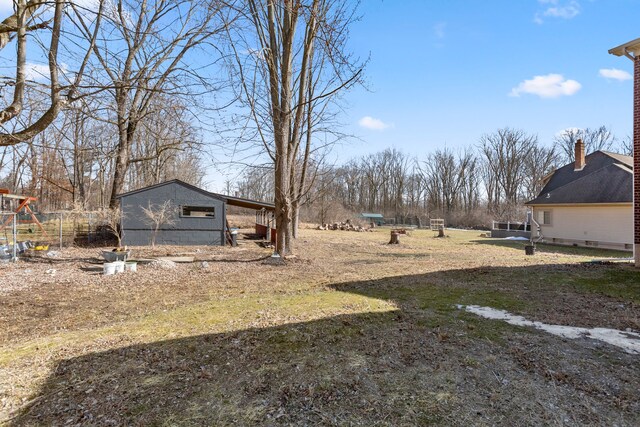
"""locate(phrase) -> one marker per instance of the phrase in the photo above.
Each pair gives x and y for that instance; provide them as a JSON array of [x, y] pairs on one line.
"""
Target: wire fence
[[408, 221], [43, 231], [511, 226]]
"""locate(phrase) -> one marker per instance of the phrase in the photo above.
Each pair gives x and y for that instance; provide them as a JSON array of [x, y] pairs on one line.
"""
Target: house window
[[544, 217], [199, 211]]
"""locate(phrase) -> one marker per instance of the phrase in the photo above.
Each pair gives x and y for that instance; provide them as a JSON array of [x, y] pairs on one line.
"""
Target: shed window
[[199, 211], [544, 217]]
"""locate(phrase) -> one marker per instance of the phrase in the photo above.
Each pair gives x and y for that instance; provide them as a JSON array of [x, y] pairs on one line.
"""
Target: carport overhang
[[248, 204]]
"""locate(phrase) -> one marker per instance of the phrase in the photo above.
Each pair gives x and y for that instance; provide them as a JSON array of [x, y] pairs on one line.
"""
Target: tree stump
[[441, 232], [394, 238]]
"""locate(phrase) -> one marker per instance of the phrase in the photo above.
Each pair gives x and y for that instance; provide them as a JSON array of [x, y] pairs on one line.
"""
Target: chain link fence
[[43, 231], [419, 221]]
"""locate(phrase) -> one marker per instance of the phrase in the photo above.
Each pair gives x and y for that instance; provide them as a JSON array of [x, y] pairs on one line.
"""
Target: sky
[[443, 73]]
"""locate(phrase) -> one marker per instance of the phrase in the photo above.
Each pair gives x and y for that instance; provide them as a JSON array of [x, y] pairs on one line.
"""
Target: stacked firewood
[[344, 226]]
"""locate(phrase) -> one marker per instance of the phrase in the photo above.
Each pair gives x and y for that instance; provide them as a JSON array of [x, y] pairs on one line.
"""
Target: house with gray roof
[[588, 202]]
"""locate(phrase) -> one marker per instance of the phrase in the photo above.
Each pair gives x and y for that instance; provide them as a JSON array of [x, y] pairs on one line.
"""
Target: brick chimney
[[579, 150]]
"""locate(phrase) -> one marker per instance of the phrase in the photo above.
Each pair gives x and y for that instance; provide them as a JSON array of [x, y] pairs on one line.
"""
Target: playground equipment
[[17, 204]]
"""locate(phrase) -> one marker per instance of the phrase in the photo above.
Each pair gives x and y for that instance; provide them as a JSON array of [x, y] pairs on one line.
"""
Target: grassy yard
[[352, 331]]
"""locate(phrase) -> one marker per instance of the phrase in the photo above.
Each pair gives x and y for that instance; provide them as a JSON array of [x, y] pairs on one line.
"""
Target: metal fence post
[[14, 232], [89, 229], [60, 230]]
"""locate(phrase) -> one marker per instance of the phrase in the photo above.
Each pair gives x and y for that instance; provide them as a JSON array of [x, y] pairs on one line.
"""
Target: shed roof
[[232, 201], [606, 178], [371, 215]]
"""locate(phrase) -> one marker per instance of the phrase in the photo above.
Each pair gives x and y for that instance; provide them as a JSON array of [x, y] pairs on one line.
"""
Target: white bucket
[[109, 268], [119, 266], [131, 266]]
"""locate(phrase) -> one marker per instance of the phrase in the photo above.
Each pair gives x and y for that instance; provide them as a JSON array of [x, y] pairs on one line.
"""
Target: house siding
[[185, 230], [606, 226], [173, 237]]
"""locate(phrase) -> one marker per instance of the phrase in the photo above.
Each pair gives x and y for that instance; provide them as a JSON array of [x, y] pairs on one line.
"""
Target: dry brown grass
[[351, 332]]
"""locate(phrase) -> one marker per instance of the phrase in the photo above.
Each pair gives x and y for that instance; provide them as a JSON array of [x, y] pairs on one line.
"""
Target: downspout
[[531, 220]]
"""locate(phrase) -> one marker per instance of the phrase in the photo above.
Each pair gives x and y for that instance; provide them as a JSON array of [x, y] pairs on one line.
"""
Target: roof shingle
[[606, 178]]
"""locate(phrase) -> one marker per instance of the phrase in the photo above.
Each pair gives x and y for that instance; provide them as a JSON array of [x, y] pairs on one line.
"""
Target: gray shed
[[199, 216]]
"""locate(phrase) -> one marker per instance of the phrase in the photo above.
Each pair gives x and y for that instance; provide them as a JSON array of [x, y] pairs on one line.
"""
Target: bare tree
[[538, 164], [29, 17], [505, 153], [448, 180], [626, 146], [111, 218], [158, 215], [256, 183], [469, 171], [160, 152], [142, 54], [276, 77], [17, 25], [594, 139]]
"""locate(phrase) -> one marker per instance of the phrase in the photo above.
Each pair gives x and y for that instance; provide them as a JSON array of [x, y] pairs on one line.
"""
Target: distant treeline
[[467, 187]]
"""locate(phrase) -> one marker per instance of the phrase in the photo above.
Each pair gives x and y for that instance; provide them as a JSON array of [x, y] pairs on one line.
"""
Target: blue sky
[[446, 72]]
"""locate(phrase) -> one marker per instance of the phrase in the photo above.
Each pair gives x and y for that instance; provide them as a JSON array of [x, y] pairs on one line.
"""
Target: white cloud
[[549, 86], [557, 9], [568, 131], [40, 72], [36, 72], [368, 122], [567, 11], [439, 30], [615, 74]]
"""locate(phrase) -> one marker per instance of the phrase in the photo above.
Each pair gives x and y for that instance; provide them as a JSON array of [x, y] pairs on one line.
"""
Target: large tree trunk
[[296, 218], [282, 203], [125, 136], [120, 171]]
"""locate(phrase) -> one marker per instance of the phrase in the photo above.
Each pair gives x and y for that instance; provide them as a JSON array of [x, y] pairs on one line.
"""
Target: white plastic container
[[119, 266], [109, 268], [131, 266]]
